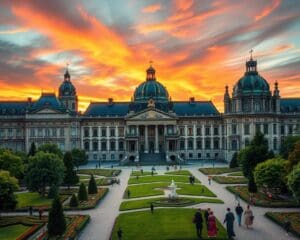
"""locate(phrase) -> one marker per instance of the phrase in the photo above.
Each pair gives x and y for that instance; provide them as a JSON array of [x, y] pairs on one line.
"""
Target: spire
[[276, 89], [251, 65], [67, 74], [150, 76], [226, 95]]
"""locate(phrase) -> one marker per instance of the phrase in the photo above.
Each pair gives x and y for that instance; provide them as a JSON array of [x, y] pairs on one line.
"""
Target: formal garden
[[46, 181]]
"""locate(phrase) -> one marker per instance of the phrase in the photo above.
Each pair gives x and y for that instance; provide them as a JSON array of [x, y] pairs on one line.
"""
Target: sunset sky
[[197, 47]]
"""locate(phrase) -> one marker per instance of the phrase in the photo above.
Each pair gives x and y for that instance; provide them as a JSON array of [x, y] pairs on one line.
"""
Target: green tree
[[79, 157], [56, 220], [288, 145], [71, 177], [294, 156], [8, 185], [256, 152], [51, 148], [234, 161], [23, 155], [271, 175], [92, 188], [82, 193], [32, 150], [12, 163], [73, 201], [53, 191], [44, 169], [294, 181]]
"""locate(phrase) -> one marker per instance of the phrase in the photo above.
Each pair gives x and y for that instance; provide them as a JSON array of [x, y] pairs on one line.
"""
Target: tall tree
[[294, 156], [234, 161], [82, 193], [71, 177], [51, 148], [92, 188], [294, 181], [251, 155], [44, 169], [12, 163], [56, 220], [79, 157], [288, 145], [8, 185], [32, 150]]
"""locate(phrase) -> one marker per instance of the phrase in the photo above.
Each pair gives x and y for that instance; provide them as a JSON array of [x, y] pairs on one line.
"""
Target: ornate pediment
[[151, 115]]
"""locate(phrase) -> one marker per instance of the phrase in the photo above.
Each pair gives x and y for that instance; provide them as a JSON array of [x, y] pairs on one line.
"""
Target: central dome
[[151, 89], [251, 82]]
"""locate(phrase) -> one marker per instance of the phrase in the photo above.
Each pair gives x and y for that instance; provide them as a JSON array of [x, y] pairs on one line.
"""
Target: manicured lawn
[[159, 178], [164, 224], [261, 199], [138, 173], [236, 174], [143, 190], [230, 180], [179, 172], [100, 172], [145, 203], [217, 171], [83, 178], [32, 199], [12, 232], [281, 217]]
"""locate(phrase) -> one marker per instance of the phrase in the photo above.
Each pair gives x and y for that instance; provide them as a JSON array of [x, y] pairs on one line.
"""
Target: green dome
[[151, 89], [251, 82]]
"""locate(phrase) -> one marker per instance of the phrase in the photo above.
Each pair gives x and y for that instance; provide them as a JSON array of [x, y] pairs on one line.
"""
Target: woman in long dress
[[212, 225], [248, 217]]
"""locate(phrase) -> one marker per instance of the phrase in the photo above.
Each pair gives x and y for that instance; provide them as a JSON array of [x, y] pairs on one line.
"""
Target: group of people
[[211, 222]]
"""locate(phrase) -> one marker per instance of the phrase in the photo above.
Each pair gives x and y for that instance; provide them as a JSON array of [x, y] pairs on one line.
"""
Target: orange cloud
[[268, 10], [152, 8]]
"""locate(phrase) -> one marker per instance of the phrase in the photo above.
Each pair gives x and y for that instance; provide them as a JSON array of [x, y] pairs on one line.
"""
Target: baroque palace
[[152, 127]]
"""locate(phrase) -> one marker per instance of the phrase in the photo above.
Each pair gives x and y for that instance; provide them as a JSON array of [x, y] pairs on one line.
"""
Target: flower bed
[[100, 172], [93, 200], [280, 218], [230, 180], [261, 199], [218, 170]]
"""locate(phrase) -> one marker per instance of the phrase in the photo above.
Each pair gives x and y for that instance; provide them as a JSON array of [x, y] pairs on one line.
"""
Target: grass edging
[[275, 220]]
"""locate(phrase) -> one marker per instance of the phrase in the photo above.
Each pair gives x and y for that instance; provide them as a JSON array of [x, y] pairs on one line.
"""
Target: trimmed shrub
[[234, 161], [73, 201], [56, 220], [92, 188], [82, 193]]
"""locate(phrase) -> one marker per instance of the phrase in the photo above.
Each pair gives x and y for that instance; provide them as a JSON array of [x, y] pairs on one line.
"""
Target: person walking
[[209, 180], [212, 225], [40, 213], [229, 219], [128, 193], [30, 211], [206, 215], [120, 233], [198, 221], [152, 208], [248, 217], [239, 213]]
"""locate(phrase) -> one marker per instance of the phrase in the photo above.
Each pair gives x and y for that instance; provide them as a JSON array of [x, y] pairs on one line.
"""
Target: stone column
[[185, 137], [146, 139], [194, 137], [117, 138], [156, 150], [107, 139]]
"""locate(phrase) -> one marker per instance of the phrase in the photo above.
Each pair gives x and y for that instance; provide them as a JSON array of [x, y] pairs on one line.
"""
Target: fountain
[[172, 187]]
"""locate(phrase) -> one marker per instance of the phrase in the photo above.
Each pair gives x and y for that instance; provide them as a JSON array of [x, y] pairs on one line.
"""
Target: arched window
[[87, 146], [234, 144]]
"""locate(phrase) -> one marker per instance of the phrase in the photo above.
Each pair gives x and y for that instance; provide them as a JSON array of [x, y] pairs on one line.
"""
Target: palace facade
[[152, 127]]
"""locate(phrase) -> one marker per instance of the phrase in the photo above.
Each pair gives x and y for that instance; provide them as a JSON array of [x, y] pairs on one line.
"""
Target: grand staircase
[[152, 158]]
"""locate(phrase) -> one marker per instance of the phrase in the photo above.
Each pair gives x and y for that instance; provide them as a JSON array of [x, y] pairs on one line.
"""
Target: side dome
[[67, 88], [251, 83], [151, 89]]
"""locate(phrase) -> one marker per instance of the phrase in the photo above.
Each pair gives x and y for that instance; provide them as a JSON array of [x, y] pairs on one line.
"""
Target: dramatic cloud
[[197, 46]]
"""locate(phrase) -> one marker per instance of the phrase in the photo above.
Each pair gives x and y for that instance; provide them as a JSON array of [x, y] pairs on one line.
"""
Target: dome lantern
[[150, 76]]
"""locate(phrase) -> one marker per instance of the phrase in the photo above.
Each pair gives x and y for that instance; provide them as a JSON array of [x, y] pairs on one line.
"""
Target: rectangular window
[[47, 132], [190, 131], [190, 155], [199, 155], [62, 132], [18, 132], [103, 146], [103, 132], [73, 132], [199, 144], [2, 133], [181, 130], [86, 132], [95, 146], [112, 132], [54, 132], [190, 144], [121, 146], [207, 131], [32, 132], [40, 132], [112, 156], [182, 145], [95, 132], [216, 131], [121, 132], [246, 129], [266, 128], [216, 144], [274, 128], [170, 129], [282, 130], [233, 129], [290, 129], [199, 131], [10, 132], [112, 146], [207, 144], [275, 144]]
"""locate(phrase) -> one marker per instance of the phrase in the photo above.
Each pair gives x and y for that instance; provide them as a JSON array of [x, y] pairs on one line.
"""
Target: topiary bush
[[56, 220], [82, 193], [74, 201], [92, 188], [234, 161]]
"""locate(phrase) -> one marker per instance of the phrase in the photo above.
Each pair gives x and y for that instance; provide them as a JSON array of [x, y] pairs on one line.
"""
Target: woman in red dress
[[212, 225]]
